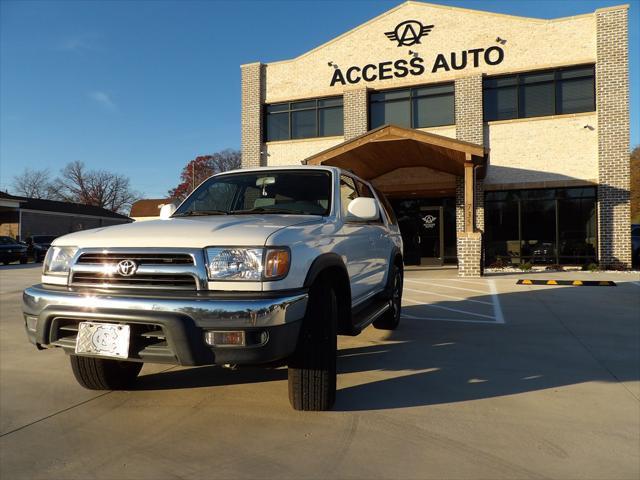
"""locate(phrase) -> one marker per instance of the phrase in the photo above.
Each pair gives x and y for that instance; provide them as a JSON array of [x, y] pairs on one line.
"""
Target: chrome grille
[[174, 270], [139, 258]]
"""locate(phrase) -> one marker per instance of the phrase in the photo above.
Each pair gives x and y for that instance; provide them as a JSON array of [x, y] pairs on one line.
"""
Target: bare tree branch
[[33, 183]]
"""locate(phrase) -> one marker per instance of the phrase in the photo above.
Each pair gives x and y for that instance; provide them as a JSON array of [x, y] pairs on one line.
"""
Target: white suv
[[254, 267]]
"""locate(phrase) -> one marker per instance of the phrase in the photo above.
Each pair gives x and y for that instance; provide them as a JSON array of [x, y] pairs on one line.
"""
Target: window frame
[[520, 85], [289, 111], [410, 98]]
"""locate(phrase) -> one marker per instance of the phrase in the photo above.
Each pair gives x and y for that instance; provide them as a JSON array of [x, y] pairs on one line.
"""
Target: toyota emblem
[[126, 268]]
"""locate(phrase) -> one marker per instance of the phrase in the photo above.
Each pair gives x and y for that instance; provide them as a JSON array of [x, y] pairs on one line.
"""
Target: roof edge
[[434, 5]]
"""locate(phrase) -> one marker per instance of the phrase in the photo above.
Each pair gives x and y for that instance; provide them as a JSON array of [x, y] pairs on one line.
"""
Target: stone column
[[251, 116], [614, 171], [356, 113], [469, 128]]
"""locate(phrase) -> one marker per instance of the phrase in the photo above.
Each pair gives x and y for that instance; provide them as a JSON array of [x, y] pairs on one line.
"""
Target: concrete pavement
[[551, 391]]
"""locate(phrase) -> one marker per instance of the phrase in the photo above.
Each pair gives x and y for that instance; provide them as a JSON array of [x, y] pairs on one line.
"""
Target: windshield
[[271, 191], [43, 238]]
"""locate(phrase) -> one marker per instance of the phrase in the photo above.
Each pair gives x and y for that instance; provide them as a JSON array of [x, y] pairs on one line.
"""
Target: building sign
[[409, 33]]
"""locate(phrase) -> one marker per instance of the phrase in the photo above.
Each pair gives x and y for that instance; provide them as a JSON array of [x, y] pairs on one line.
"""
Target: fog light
[[221, 339], [32, 323]]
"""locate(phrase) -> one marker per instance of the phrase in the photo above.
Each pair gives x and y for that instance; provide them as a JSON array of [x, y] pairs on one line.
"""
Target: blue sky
[[141, 87]]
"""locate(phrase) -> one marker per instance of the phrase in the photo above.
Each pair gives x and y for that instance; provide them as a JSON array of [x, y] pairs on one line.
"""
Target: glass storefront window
[[538, 227], [502, 240], [541, 226]]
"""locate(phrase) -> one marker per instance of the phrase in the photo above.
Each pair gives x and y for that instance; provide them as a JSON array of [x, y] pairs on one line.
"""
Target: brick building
[[497, 138]]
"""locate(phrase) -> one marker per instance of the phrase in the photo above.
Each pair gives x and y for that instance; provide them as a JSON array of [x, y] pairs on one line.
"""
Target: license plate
[[103, 339]]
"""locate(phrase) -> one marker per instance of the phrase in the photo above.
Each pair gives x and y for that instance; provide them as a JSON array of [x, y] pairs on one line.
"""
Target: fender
[[334, 261], [386, 293], [322, 262]]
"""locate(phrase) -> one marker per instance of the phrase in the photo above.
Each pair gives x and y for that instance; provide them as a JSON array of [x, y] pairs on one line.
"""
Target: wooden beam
[[469, 187]]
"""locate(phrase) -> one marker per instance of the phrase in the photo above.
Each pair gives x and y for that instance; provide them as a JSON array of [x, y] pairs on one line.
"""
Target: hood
[[190, 232]]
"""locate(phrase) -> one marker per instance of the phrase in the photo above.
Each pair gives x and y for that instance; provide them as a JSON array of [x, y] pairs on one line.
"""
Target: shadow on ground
[[553, 337]]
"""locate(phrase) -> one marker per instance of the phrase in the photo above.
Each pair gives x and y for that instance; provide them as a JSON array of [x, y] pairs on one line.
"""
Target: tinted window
[[549, 92], [428, 106], [305, 119], [541, 226], [386, 206], [348, 192]]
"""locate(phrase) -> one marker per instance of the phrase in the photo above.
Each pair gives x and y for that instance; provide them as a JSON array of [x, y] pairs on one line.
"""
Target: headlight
[[58, 260], [247, 264]]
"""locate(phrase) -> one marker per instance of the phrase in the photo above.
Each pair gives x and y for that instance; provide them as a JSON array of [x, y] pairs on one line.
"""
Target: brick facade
[[469, 127], [356, 113], [469, 254], [612, 98], [252, 100]]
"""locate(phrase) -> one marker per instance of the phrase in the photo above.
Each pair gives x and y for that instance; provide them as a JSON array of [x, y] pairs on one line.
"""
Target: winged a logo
[[409, 33]]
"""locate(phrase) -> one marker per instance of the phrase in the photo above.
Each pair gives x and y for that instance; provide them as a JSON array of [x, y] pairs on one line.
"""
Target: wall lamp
[[501, 41], [415, 54], [332, 64], [589, 127]]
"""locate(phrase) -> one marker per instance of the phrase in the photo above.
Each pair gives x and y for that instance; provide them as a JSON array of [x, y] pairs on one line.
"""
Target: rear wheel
[[103, 373], [312, 368], [391, 318]]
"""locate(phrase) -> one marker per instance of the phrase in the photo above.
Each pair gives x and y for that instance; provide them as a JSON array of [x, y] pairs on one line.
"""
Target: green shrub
[[525, 267]]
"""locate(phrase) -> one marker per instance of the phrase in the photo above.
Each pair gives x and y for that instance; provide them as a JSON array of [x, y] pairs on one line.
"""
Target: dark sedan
[[37, 246], [12, 251]]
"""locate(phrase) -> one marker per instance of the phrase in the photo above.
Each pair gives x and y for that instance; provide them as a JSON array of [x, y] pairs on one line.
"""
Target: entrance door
[[431, 239]]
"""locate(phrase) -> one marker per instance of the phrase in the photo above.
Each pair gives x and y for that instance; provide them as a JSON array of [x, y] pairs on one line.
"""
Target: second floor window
[[535, 94], [428, 106], [320, 117]]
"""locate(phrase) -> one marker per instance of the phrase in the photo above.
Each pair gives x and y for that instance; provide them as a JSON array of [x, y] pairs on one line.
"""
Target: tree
[[635, 185], [94, 187], [201, 168], [33, 184]]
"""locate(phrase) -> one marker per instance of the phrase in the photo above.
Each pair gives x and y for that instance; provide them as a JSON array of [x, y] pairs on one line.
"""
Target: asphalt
[[483, 379]]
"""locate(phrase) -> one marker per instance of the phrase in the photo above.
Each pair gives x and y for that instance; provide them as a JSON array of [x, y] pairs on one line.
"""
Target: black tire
[[23, 260], [312, 368], [391, 318], [103, 373]]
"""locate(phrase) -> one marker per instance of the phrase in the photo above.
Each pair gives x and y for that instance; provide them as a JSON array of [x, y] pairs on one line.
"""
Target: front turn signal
[[277, 262]]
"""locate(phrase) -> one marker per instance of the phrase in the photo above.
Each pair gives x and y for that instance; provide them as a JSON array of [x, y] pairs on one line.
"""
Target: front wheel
[[103, 373], [312, 368], [391, 318]]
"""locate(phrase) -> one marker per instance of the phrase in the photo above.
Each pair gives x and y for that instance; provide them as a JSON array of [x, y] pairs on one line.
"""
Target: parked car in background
[[38, 245], [635, 244], [12, 251]]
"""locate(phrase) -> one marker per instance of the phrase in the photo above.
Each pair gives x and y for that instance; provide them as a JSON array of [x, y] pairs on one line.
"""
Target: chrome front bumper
[[183, 316]]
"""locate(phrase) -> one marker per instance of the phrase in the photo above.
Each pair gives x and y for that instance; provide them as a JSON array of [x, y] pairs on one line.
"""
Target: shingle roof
[[62, 207]]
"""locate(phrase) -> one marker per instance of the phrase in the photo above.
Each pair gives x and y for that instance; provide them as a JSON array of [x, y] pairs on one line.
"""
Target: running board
[[368, 315]]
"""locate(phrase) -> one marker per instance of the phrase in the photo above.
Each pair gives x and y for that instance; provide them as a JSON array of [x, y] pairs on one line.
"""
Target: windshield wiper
[[262, 210], [195, 213]]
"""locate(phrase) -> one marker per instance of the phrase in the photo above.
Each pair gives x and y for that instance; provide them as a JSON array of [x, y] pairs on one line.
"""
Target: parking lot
[[483, 379]]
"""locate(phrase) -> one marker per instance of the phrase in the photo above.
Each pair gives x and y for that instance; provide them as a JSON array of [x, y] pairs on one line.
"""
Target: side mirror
[[362, 210], [167, 210]]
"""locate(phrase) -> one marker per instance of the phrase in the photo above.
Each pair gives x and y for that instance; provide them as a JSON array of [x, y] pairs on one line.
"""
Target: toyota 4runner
[[260, 266]]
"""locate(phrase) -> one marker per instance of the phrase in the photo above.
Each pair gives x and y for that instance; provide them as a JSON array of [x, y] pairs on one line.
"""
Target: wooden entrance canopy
[[390, 147]]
